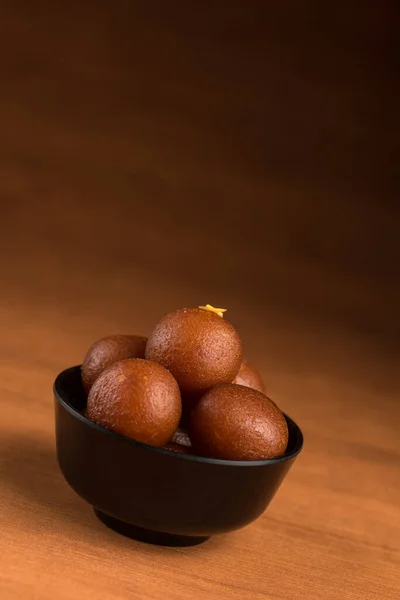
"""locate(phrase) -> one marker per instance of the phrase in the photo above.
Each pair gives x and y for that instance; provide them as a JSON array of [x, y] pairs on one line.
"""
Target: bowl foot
[[147, 535]]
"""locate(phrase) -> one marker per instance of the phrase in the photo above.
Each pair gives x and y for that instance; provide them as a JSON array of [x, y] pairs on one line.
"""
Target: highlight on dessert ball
[[186, 389]]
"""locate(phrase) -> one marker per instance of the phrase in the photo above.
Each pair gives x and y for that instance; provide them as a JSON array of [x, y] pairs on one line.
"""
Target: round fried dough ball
[[108, 350], [136, 398], [198, 346], [234, 422], [249, 377]]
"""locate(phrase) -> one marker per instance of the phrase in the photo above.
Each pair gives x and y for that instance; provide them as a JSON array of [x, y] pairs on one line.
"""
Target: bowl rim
[[190, 457]]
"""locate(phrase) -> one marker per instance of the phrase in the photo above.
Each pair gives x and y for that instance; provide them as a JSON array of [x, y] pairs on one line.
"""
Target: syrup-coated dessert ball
[[198, 346], [108, 350], [249, 377], [234, 422], [136, 398]]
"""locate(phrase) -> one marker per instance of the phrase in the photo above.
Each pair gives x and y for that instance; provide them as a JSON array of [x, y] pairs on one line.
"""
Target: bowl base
[[148, 535]]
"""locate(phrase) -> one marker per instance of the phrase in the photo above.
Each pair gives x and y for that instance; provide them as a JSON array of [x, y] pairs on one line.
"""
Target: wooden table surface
[[157, 155]]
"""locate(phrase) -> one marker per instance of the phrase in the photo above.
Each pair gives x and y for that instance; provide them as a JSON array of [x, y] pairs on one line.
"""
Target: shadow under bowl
[[152, 494]]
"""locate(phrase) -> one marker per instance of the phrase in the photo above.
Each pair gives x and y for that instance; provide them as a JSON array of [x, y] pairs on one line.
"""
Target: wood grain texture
[[155, 155]]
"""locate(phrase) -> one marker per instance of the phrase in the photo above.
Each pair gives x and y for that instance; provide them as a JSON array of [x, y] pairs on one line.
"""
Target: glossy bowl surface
[[152, 494]]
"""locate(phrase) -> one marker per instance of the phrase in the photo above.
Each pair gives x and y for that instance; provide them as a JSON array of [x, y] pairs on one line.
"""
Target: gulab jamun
[[108, 350], [136, 398], [199, 348], [249, 377], [234, 422]]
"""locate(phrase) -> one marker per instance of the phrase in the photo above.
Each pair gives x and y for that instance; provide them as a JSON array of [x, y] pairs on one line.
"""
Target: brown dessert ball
[[234, 422], [136, 398], [249, 377], [108, 350], [200, 348]]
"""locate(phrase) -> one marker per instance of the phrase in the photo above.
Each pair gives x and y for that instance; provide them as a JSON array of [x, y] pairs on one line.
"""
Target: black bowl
[[155, 495]]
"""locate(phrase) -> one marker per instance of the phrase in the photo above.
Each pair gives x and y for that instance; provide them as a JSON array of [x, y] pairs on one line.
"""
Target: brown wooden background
[[161, 154]]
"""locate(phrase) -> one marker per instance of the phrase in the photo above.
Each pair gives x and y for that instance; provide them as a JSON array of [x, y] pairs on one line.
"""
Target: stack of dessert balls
[[186, 388]]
